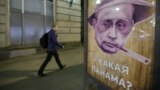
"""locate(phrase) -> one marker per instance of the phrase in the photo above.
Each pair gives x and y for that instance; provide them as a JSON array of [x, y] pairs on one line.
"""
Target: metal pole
[[85, 28]]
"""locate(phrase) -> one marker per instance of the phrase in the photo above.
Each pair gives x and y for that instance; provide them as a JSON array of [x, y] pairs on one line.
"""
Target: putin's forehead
[[125, 10]]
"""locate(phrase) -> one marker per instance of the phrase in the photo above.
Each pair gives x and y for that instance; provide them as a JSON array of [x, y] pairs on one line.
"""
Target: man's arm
[[55, 41]]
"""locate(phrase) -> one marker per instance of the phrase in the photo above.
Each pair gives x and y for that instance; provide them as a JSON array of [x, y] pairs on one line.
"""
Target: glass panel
[[33, 21], [34, 6], [49, 15], [49, 21], [15, 22], [16, 4], [49, 8]]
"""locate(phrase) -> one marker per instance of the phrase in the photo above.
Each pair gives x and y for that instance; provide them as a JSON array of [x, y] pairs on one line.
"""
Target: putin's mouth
[[108, 44]]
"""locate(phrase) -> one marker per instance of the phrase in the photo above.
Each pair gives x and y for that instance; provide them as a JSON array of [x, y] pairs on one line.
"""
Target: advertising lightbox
[[121, 35]]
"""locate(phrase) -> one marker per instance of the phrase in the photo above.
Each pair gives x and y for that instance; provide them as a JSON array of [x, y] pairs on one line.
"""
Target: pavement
[[20, 73]]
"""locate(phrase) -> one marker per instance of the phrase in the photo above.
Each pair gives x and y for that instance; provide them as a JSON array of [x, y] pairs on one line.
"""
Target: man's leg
[[41, 69], [58, 60]]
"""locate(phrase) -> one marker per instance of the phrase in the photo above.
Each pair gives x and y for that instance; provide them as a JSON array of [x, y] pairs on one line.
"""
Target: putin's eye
[[107, 24], [121, 25]]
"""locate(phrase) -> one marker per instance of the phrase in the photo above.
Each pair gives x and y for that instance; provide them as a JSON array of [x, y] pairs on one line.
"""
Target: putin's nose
[[112, 33]]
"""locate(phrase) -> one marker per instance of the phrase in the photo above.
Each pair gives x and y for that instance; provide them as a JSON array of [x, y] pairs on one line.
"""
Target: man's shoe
[[41, 74], [63, 66]]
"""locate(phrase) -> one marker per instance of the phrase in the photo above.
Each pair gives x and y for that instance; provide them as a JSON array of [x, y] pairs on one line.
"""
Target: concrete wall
[[4, 24], [69, 20]]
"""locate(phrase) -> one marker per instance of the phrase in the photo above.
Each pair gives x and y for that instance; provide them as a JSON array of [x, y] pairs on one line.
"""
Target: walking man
[[53, 44]]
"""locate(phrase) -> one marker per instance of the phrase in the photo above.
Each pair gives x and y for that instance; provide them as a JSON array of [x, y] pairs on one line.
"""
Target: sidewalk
[[20, 73]]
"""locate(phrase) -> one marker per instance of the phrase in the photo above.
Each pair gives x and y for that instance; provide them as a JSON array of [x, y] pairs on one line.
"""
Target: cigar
[[136, 56]]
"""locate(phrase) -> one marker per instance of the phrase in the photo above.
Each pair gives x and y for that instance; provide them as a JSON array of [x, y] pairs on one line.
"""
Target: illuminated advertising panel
[[121, 35]]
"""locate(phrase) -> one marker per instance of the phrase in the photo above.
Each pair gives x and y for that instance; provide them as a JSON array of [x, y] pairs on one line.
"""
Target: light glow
[[117, 9], [98, 2]]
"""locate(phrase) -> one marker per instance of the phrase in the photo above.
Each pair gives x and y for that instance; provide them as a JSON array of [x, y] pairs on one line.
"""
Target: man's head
[[113, 23], [54, 26]]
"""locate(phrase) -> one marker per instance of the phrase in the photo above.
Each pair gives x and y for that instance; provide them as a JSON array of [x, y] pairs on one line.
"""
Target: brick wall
[[4, 33], [69, 20]]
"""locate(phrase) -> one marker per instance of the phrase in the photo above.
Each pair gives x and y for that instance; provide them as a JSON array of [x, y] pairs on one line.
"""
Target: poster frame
[[156, 71], [156, 66]]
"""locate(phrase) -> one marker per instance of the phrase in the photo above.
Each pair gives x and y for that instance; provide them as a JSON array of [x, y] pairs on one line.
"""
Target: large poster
[[121, 43]]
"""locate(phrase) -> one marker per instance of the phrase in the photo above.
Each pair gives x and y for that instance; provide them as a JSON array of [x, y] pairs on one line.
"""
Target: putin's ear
[[94, 21]]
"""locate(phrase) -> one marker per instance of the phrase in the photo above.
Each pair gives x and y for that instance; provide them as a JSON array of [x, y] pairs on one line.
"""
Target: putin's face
[[112, 27]]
